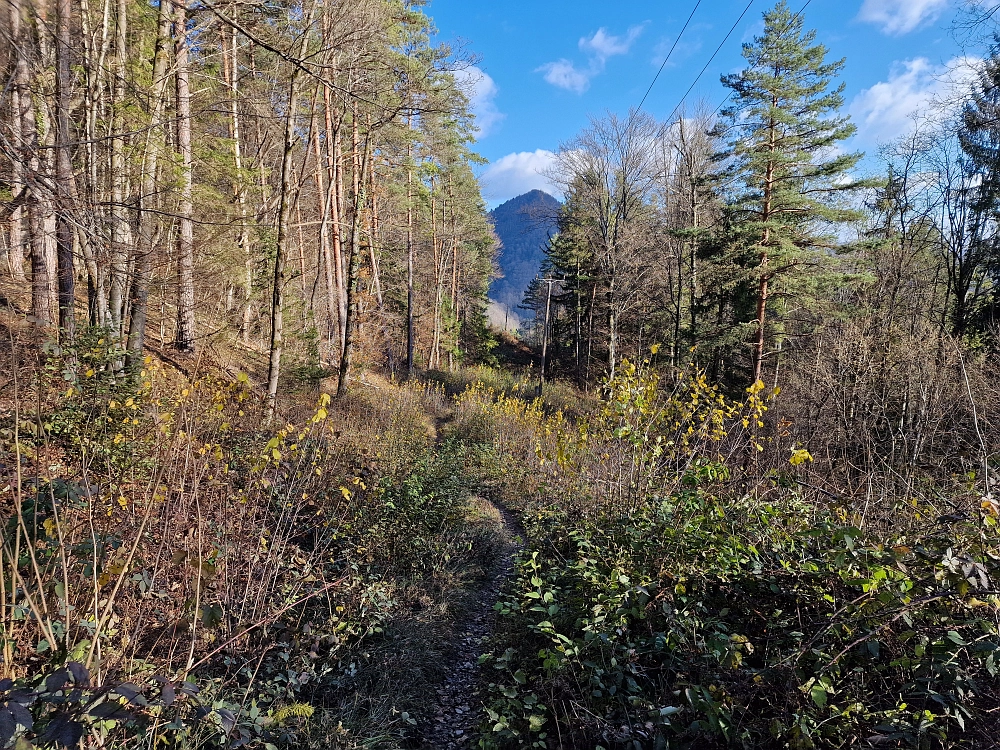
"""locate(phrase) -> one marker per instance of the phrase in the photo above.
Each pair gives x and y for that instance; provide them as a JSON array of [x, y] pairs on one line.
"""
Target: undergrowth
[[178, 573], [683, 587]]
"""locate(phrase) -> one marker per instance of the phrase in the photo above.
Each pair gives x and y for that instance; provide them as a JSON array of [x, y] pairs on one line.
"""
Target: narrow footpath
[[457, 715]]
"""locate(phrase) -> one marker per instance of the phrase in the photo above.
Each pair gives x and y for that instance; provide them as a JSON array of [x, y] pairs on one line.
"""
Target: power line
[[667, 58], [712, 58], [730, 95]]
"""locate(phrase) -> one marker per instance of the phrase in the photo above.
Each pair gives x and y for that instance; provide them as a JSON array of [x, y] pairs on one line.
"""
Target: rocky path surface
[[460, 697]]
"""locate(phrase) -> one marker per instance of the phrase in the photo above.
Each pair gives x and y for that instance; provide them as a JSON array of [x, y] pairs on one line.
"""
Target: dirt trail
[[457, 713]]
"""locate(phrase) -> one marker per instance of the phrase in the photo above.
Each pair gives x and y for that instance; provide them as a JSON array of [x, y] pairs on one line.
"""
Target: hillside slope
[[523, 225]]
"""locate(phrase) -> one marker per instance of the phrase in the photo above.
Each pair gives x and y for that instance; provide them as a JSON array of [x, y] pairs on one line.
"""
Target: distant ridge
[[524, 225]]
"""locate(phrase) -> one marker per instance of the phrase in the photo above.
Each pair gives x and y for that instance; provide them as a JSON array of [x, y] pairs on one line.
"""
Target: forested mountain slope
[[524, 225]]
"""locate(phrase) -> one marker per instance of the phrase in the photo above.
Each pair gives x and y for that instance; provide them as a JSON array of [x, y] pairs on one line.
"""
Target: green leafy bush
[[706, 603]]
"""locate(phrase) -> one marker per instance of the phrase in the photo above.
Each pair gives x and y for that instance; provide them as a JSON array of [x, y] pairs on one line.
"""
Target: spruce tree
[[974, 270], [788, 180]]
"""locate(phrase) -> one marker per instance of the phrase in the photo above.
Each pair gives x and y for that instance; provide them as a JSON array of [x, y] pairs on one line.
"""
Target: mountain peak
[[523, 225]]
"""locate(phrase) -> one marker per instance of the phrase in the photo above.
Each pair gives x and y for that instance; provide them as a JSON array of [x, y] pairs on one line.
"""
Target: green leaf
[[955, 638], [818, 693]]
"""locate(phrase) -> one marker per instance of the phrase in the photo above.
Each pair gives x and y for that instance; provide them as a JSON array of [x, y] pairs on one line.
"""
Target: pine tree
[[783, 129]]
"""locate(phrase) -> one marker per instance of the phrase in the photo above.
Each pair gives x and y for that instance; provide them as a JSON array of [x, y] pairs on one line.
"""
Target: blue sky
[[545, 66]]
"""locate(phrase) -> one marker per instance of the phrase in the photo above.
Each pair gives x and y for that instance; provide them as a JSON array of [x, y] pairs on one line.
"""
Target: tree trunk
[[64, 175], [335, 282], [374, 242], [92, 70], [41, 283], [18, 182], [284, 218], [184, 337], [354, 265], [324, 196], [120, 239], [239, 188], [456, 329], [435, 357], [409, 261], [612, 330], [139, 292], [762, 289], [338, 237]]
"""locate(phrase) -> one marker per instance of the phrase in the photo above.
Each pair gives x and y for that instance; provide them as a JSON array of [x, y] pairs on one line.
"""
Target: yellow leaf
[[799, 457]]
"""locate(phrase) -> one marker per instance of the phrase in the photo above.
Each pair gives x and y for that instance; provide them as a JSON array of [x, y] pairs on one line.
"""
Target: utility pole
[[545, 333]]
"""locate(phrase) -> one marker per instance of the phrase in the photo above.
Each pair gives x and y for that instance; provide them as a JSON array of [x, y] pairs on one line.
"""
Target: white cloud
[[598, 47], [563, 74], [681, 52], [886, 110], [482, 92], [519, 173], [603, 45], [901, 16]]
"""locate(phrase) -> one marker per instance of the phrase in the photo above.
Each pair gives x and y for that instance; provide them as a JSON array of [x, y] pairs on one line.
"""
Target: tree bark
[[41, 282], [64, 175], [18, 182], [335, 186], [324, 196], [139, 292], [762, 287], [184, 337], [434, 357], [120, 239], [409, 261], [374, 242], [354, 265], [239, 188], [285, 207]]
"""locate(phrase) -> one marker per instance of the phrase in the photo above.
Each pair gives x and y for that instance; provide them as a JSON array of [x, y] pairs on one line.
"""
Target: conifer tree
[[979, 137], [783, 128]]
